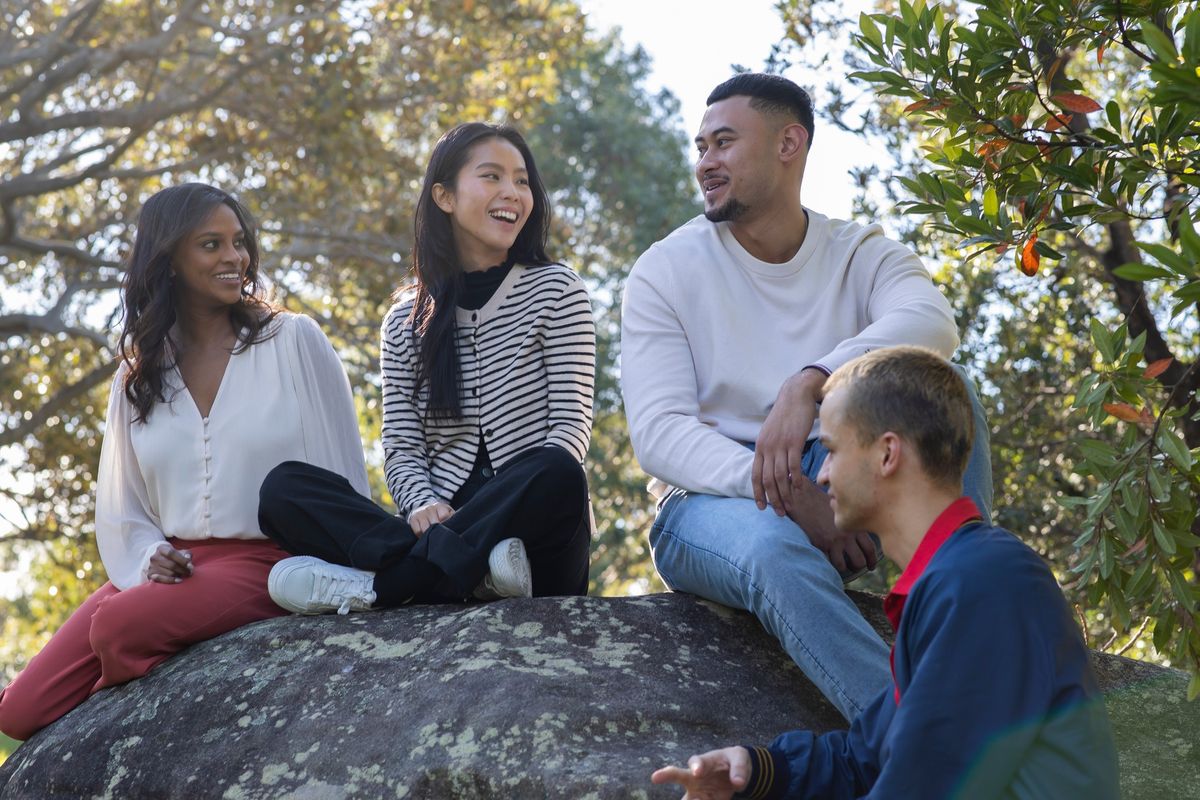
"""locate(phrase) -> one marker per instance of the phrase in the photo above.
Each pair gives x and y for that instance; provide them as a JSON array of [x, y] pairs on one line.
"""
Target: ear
[[891, 451], [793, 142], [443, 198]]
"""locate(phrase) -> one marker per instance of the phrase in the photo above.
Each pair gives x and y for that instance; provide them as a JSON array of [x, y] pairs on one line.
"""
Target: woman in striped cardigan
[[488, 371]]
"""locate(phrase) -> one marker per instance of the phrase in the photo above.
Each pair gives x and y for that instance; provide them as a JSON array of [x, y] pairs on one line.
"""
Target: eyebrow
[[494, 165], [723, 129], [203, 234]]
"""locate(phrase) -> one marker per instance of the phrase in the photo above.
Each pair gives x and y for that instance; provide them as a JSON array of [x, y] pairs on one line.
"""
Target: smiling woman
[[216, 387], [487, 407]]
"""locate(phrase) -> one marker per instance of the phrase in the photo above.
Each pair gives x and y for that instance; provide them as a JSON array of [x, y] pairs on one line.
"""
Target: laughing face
[[209, 265], [488, 204], [737, 166]]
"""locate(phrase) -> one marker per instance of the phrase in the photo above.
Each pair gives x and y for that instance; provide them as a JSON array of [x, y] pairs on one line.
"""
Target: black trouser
[[539, 497]]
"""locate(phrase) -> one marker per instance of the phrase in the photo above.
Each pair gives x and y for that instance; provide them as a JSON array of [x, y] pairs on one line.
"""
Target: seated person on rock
[[215, 387], [992, 691], [488, 371], [730, 326]]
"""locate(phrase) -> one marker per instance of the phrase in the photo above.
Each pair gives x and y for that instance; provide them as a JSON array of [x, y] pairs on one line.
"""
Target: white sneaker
[[508, 573], [308, 585]]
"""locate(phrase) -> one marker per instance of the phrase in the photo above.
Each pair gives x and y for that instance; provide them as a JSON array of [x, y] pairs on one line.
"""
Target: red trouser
[[117, 636]]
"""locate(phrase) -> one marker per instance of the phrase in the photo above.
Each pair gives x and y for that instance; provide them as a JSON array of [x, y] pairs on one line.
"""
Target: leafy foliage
[[1065, 132]]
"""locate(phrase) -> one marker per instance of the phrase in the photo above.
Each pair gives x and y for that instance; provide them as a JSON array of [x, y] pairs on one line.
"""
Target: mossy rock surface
[[545, 698]]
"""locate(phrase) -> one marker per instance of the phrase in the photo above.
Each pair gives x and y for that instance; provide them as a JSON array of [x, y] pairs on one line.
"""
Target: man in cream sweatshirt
[[730, 326]]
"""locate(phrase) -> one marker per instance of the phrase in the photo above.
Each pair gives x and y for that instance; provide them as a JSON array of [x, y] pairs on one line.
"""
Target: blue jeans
[[725, 549]]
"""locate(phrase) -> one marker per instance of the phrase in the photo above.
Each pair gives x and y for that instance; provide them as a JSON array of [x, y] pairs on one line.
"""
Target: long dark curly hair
[[437, 264], [146, 346]]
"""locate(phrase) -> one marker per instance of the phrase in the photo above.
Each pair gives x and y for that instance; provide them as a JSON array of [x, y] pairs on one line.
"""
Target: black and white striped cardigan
[[527, 363]]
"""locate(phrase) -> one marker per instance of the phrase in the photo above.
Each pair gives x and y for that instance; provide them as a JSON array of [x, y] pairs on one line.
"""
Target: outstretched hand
[[779, 450], [169, 565], [716, 775]]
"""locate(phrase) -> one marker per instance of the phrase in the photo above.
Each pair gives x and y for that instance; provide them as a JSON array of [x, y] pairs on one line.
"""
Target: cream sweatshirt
[[709, 334]]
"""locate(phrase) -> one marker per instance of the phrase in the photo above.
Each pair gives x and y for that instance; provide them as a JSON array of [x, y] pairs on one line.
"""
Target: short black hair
[[771, 93]]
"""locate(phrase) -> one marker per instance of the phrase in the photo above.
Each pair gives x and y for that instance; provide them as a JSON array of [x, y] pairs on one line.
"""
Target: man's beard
[[730, 211]]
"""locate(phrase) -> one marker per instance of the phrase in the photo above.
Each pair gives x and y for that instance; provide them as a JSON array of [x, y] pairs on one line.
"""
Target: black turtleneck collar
[[479, 286]]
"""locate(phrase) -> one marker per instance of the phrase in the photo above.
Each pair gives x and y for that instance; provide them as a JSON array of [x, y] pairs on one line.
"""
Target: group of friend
[[786, 383]]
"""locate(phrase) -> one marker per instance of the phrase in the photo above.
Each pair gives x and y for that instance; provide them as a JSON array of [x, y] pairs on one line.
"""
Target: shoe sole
[[502, 562]]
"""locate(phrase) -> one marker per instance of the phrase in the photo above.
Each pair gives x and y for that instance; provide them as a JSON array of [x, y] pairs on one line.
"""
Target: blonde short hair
[[916, 394]]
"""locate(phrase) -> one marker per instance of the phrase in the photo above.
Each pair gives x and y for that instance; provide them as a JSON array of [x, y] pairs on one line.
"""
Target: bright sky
[[694, 42]]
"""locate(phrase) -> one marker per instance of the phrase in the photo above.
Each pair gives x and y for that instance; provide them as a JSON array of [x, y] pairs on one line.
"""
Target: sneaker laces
[[336, 585]]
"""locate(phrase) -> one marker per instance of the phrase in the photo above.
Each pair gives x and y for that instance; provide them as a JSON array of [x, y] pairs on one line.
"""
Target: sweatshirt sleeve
[[327, 416], [406, 459], [966, 723], [902, 304], [829, 766], [569, 351], [658, 382], [127, 531]]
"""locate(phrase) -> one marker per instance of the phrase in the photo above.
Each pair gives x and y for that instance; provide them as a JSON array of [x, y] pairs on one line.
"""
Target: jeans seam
[[783, 618]]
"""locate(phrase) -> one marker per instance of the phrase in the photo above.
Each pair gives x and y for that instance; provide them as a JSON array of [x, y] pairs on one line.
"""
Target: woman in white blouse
[[215, 387], [488, 371]]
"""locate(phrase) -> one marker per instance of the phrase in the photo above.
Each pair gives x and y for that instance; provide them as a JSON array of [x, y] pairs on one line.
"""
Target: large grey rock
[[547, 698]]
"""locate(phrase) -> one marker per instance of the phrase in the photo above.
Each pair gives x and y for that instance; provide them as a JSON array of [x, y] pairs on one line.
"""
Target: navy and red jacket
[[993, 694]]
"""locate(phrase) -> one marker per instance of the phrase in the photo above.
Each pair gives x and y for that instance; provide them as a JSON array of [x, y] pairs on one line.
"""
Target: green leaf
[[1135, 271], [1163, 629], [1143, 579], [1103, 340], [1107, 556], [869, 30], [1113, 112], [1182, 590], [1120, 609], [1165, 542], [1173, 445], [1191, 39], [1189, 240], [1160, 490], [1159, 42], [1098, 452], [1167, 256], [991, 203]]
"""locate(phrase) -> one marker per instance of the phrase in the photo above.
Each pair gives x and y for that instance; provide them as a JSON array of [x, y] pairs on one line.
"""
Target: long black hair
[[165, 219], [437, 265]]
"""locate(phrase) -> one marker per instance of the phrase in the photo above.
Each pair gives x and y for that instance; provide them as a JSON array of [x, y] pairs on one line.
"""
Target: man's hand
[[849, 551], [716, 775], [422, 518], [780, 446], [169, 565]]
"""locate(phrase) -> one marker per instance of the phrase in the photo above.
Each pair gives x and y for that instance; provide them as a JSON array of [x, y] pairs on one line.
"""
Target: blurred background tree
[[1046, 154], [321, 118]]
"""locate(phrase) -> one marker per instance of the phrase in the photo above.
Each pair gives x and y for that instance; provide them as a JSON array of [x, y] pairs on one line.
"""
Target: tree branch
[[60, 398], [16, 324]]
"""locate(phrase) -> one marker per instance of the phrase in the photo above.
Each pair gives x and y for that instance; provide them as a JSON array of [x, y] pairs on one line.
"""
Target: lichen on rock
[[523, 698]]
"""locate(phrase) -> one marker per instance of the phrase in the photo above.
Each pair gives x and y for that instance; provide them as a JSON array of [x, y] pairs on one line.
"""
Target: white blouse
[[189, 477]]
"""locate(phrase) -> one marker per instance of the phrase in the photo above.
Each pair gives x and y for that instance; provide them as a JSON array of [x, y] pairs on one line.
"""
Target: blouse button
[[487, 472], [488, 433], [474, 316]]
